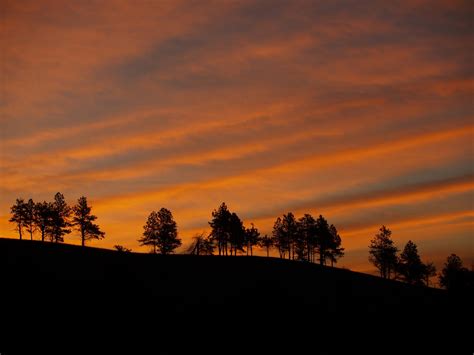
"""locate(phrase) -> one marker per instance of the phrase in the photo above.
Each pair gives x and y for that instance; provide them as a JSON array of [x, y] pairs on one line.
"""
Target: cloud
[[359, 110]]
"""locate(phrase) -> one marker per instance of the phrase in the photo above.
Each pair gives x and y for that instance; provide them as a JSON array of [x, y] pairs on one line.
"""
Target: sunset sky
[[358, 110]]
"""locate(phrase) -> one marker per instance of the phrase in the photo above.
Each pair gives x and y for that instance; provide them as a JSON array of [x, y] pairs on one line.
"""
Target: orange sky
[[357, 110]]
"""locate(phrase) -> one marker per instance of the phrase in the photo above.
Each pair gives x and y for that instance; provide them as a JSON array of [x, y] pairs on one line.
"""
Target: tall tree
[[323, 238], [266, 242], [160, 231], [279, 239], [30, 217], [251, 238], [307, 232], [383, 253], [335, 251], [43, 218], [410, 266], [236, 232], [83, 221], [18, 211], [60, 224], [220, 227], [290, 233]]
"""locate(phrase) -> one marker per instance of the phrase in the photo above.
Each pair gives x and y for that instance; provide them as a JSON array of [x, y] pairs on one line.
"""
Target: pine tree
[[83, 220], [266, 242], [410, 266], [383, 253], [251, 238], [160, 231], [18, 211], [43, 218], [30, 217], [60, 214]]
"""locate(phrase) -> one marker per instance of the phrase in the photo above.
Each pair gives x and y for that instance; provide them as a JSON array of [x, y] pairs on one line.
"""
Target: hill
[[178, 303]]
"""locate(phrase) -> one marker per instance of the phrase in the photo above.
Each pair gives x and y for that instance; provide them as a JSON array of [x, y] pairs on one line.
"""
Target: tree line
[[407, 266], [306, 239], [54, 220]]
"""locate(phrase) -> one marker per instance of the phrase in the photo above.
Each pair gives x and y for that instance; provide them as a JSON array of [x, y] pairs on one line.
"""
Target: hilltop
[[184, 302]]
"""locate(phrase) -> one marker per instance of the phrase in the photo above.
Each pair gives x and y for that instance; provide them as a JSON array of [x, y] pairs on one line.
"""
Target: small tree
[[307, 232], [251, 238], [83, 220], [60, 214], [122, 249], [201, 245], [160, 232], [266, 242], [383, 253], [18, 211], [43, 218], [410, 266]]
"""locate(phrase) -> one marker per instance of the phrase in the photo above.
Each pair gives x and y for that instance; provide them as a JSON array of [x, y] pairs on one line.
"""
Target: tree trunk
[[42, 235], [267, 252], [82, 237], [19, 230], [31, 235]]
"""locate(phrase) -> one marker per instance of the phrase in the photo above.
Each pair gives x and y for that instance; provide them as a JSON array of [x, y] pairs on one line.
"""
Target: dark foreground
[[64, 299]]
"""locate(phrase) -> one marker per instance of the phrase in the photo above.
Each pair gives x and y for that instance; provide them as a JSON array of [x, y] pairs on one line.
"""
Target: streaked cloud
[[358, 110]]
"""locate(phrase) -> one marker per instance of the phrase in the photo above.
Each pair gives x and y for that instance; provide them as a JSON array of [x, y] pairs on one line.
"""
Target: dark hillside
[[203, 303]]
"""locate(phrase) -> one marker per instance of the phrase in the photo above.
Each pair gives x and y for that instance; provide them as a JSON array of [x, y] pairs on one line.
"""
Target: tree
[[236, 232], [428, 272], [335, 251], [266, 242], [30, 217], [220, 227], [201, 245], [307, 232], [279, 239], [455, 277], [60, 214], [18, 211], [323, 238], [122, 249], [410, 266], [160, 231], [251, 238], [43, 218], [83, 220], [383, 253]]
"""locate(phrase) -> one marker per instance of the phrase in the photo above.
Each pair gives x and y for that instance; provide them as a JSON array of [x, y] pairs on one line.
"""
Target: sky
[[361, 111]]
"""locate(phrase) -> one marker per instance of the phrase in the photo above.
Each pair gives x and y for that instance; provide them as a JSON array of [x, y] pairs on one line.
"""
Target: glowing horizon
[[358, 111]]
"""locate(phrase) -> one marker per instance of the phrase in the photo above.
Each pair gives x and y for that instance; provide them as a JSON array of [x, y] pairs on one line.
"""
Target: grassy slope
[[189, 302]]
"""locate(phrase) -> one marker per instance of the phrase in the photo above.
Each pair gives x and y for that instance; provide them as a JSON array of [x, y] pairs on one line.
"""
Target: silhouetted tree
[[266, 242], [251, 238], [428, 272], [43, 218], [323, 239], [220, 228], [160, 231], [455, 277], [279, 240], [18, 211], [335, 251], [410, 266], [201, 245], [60, 224], [122, 249], [83, 220], [30, 225], [383, 253], [306, 243], [236, 234]]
